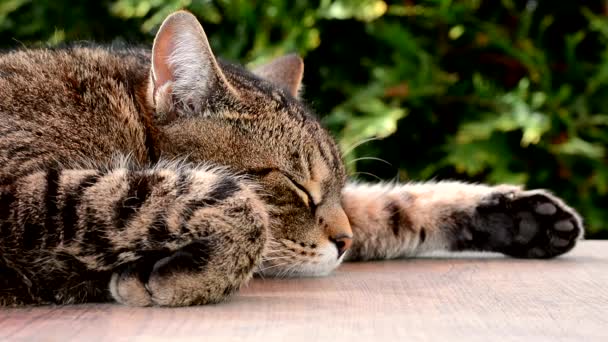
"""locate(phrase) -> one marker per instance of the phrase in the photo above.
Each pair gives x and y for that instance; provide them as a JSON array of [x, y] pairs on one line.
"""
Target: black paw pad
[[529, 224]]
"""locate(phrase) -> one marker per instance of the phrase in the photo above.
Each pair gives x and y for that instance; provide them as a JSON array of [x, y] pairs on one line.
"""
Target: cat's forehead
[[290, 121]]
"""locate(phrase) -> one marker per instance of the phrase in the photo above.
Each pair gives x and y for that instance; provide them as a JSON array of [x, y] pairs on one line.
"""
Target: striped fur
[[260, 186], [102, 220]]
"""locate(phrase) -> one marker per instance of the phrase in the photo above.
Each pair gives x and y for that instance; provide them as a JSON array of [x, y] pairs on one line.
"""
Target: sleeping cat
[[170, 177]]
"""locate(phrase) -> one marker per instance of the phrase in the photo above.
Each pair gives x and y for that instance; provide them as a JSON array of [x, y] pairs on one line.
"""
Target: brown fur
[[170, 177]]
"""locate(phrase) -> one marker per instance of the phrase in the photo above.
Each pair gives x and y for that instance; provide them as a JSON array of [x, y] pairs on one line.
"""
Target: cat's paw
[[184, 277], [154, 281], [127, 286], [526, 224], [149, 282]]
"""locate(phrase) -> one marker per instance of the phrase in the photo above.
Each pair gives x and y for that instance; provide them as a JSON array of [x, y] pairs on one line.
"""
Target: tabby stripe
[[335, 152], [296, 162], [32, 229], [324, 155], [222, 190], [193, 205], [7, 198], [17, 149], [182, 185], [7, 181], [32, 221], [25, 156], [192, 258], [158, 231], [330, 156], [333, 157], [310, 170], [50, 203], [398, 219], [139, 189], [422, 235], [72, 203], [95, 240], [225, 188]]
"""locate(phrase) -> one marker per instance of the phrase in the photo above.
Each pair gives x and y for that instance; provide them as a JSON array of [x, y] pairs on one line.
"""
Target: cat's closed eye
[[303, 193]]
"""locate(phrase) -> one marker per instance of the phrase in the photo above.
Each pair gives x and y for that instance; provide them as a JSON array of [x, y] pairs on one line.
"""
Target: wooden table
[[470, 297]]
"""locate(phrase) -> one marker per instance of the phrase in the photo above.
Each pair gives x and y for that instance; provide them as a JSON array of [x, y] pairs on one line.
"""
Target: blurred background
[[487, 91]]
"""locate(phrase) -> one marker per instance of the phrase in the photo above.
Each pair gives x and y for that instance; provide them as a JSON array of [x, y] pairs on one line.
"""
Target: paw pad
[[546, 209], [539, 225], [564, 226]]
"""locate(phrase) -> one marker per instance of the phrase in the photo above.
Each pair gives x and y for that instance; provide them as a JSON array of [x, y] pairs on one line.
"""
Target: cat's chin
[[318, 267]]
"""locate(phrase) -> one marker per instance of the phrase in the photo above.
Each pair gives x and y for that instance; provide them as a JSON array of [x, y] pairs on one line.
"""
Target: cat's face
[[252, 122]]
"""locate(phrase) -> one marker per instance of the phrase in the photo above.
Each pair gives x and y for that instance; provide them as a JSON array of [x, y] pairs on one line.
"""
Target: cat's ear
[[286, 72], [184, 70]]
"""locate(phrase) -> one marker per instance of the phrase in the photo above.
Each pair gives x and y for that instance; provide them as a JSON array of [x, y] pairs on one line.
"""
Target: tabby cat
[[170, 177]]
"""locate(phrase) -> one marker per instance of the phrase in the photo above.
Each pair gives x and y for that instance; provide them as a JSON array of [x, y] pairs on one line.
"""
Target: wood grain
[[467, 297]]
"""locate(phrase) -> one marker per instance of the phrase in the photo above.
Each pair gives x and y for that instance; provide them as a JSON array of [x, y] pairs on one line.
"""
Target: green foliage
[[488, 91]]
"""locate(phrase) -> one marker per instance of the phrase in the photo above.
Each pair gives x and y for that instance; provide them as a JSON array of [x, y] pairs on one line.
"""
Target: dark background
[[486, 91]]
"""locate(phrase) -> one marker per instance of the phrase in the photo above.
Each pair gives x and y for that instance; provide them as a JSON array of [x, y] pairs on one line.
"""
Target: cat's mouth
[[287, 258]]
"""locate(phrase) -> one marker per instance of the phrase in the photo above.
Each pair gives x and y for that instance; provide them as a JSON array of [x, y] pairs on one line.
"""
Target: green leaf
[[578, 146], [364, 10]]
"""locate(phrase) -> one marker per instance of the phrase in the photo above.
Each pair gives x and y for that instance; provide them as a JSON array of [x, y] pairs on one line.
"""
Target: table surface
[[464, 297]]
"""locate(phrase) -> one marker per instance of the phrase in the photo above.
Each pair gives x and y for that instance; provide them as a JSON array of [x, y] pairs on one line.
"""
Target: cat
[[169, 177]]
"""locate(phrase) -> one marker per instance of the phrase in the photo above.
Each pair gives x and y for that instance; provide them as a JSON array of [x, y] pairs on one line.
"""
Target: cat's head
[[253, 122]]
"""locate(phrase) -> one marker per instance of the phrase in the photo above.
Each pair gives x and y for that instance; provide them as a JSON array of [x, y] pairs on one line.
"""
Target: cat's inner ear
[[286, 72], [184, 70]]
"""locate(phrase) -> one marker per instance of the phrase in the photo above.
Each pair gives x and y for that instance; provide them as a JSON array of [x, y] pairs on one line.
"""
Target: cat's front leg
[[171, 235], [216, 232], [390, 221], [229, 244]]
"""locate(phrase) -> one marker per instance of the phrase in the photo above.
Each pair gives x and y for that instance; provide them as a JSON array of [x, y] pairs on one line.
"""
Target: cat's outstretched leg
[[171, 235], [390, 221]]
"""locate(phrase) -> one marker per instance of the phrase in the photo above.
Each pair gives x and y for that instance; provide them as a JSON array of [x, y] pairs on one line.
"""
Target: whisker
[[369, 158], [292, 270], [283, 272], [258, 273], [274, 252], [367, 173], [274, 243], [357, 144], [276, 258], [273, 266]]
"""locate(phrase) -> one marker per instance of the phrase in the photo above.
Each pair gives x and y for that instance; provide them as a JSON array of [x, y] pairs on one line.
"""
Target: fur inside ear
[[184, 69], [286, 72]]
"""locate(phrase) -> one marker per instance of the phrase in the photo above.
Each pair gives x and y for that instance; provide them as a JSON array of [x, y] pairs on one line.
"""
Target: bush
[[486, 91]]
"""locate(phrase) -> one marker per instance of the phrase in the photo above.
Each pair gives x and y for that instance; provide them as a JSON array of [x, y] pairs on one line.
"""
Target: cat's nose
[[342, 242]]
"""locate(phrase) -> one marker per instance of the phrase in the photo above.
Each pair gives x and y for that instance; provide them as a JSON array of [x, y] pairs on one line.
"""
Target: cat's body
[[168, 178]]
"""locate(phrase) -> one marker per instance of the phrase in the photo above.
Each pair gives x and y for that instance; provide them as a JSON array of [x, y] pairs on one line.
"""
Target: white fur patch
[[192, 64], [283, 265]]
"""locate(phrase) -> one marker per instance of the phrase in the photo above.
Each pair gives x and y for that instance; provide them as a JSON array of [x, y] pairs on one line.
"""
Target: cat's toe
[[176, 279], [127, 288], [146, 282], [542, 225], [162, 284]]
